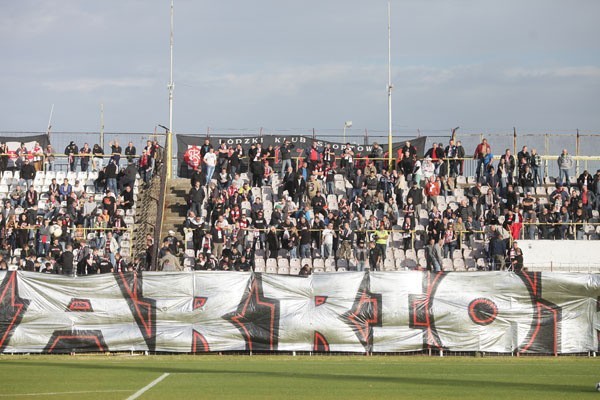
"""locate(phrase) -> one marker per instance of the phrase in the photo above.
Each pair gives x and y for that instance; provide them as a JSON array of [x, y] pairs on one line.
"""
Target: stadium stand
[[78, 221], [423, 213], [322, 215]]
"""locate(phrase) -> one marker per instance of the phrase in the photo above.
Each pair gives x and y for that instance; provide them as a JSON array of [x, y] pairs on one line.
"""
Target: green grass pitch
[[303, 377]]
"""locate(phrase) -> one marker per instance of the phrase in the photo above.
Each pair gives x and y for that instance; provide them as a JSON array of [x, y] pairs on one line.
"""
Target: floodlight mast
[[171, 86], [390, 87], [347, 124]]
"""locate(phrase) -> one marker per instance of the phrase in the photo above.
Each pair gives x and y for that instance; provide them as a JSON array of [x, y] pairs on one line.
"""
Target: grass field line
[[148, 386], [61, 393]]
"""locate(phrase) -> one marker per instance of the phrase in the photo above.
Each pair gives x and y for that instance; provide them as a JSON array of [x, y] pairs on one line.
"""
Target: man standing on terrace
[[381, 238], [565, 163], [210, 160], [480, 152], [286, 157]]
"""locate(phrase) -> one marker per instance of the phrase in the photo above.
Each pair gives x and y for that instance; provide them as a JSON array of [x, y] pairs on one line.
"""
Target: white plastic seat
[[459, 264], [283, 270], [271, 262], [271, 269], [389, 265], [282, 262], [318, 263], [447, 264]]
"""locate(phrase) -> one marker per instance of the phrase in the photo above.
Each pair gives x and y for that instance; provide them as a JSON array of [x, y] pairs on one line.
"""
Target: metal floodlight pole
[[390, 86], [347, 124], [171, 87], [102, 125], [50, 122]]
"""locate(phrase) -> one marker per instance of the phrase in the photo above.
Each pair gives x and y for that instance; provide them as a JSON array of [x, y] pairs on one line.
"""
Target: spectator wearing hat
[[71, 151]]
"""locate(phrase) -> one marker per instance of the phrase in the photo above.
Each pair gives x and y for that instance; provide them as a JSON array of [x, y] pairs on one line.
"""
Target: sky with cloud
[[479, 64]]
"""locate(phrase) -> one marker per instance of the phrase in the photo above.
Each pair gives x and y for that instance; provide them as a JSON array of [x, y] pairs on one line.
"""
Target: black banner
[[14, 142], [185, 142]]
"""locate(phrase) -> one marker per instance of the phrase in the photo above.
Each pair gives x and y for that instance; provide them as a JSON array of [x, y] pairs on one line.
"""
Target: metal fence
[[548, 143]]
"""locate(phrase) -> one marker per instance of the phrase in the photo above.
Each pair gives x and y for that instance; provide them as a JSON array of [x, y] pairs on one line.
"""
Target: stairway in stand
[[175, 207]]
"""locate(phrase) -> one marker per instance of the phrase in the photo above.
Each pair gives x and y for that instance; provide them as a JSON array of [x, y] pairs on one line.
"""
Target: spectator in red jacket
[[432, 190], [480, 152]]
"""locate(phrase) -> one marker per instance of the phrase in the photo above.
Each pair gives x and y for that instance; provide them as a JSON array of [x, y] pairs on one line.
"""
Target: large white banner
[[339, 312]]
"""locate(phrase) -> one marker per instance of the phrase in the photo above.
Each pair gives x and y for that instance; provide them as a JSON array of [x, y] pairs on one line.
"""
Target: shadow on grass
[[465, 383]]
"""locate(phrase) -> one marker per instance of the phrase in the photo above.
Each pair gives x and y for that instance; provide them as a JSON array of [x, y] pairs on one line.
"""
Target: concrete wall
[[561, 255]]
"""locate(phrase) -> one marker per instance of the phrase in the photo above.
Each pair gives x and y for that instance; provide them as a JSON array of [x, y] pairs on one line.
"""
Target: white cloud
[[588, 72], [90, 84], [284, 80], [27, 20]]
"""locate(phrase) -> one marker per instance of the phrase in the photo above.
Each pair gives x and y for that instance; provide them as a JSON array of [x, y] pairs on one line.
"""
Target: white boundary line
[[59, 393], [148, 387]]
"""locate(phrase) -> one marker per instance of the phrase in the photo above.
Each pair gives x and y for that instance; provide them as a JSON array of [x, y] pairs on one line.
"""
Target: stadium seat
[[457, 254], [389, 253], [409, 263], [341, 263], [589, 231], [481, 264], [271, 269], [283, 269], [398, 254], [459, 264], [447, 264], [306, 261], [399, 264], [470, 264], [282, 262], [389, 265]]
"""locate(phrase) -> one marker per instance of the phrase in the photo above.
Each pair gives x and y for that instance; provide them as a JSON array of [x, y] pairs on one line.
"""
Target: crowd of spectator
[[75, 220], [344, 206]]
